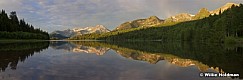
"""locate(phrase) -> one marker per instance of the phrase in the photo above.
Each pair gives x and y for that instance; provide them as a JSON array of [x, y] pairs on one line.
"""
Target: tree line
[[13, 28], [226, 26]]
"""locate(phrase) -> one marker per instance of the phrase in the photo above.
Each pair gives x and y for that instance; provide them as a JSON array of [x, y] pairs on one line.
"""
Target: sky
[[52, 15]]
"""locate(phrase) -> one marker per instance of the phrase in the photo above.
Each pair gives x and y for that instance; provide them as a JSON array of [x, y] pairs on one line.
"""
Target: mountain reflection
[[69, 46], [218, 57], [14, 52]]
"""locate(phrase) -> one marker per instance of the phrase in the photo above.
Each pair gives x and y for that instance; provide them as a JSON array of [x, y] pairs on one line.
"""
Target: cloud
[[11, 4], [53, 15]]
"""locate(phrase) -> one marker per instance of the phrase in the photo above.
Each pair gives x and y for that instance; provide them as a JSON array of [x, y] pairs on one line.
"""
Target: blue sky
[[51, 15]]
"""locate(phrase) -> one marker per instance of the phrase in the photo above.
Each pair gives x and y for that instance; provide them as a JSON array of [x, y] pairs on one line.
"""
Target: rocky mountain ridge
[[142, 23], [223, 8], [180, 17], [148, 22], [78, 31], [201, 14]]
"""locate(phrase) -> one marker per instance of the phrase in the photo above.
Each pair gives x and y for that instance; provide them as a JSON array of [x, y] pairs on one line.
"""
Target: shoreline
[[237, 41]]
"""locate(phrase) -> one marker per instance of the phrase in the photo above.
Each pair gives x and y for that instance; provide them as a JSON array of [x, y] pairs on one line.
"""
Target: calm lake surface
[[62, 60]]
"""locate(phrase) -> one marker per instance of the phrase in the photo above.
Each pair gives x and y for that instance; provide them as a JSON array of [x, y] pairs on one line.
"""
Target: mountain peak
[[79, 31], [202, 14], [223, 8], [100, 26], [230, 4], [203, 10], [148, 22], [153, 17], [180, 17]]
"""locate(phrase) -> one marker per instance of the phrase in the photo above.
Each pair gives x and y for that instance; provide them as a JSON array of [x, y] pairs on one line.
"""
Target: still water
[[118, 61]]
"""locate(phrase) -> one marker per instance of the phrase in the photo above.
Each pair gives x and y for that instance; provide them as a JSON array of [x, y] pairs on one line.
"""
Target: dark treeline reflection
[[13, 52], [220, 57]]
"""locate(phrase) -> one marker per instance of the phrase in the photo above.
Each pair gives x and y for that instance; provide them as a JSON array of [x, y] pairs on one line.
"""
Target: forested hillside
[[226, 26], [12, 28]]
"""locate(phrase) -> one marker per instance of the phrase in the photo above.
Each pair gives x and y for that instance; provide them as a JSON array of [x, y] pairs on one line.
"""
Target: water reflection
[[219, 57], [69, 46], [14, 52], [117, 61], [222, 58]]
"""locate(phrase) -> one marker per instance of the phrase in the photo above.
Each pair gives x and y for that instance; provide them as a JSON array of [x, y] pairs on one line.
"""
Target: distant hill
[[78, 31], [148, 22]]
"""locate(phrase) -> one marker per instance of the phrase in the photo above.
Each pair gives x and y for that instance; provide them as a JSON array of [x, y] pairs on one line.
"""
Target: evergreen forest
[[13, 28]]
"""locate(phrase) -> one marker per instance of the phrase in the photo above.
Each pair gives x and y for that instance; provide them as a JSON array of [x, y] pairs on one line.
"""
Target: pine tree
[[14, 21], [12, 28]]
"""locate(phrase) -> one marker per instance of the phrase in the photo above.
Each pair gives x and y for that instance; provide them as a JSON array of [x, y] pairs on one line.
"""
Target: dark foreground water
[[118, 61]]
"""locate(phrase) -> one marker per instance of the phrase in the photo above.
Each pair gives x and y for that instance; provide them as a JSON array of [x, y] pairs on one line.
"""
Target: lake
[[86, 60]]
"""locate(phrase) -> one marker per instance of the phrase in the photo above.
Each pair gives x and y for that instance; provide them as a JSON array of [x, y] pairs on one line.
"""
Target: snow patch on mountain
[[79, 31]]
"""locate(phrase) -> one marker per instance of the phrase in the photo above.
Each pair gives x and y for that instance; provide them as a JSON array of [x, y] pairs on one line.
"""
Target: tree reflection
[[13, 52], [219, 57]]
